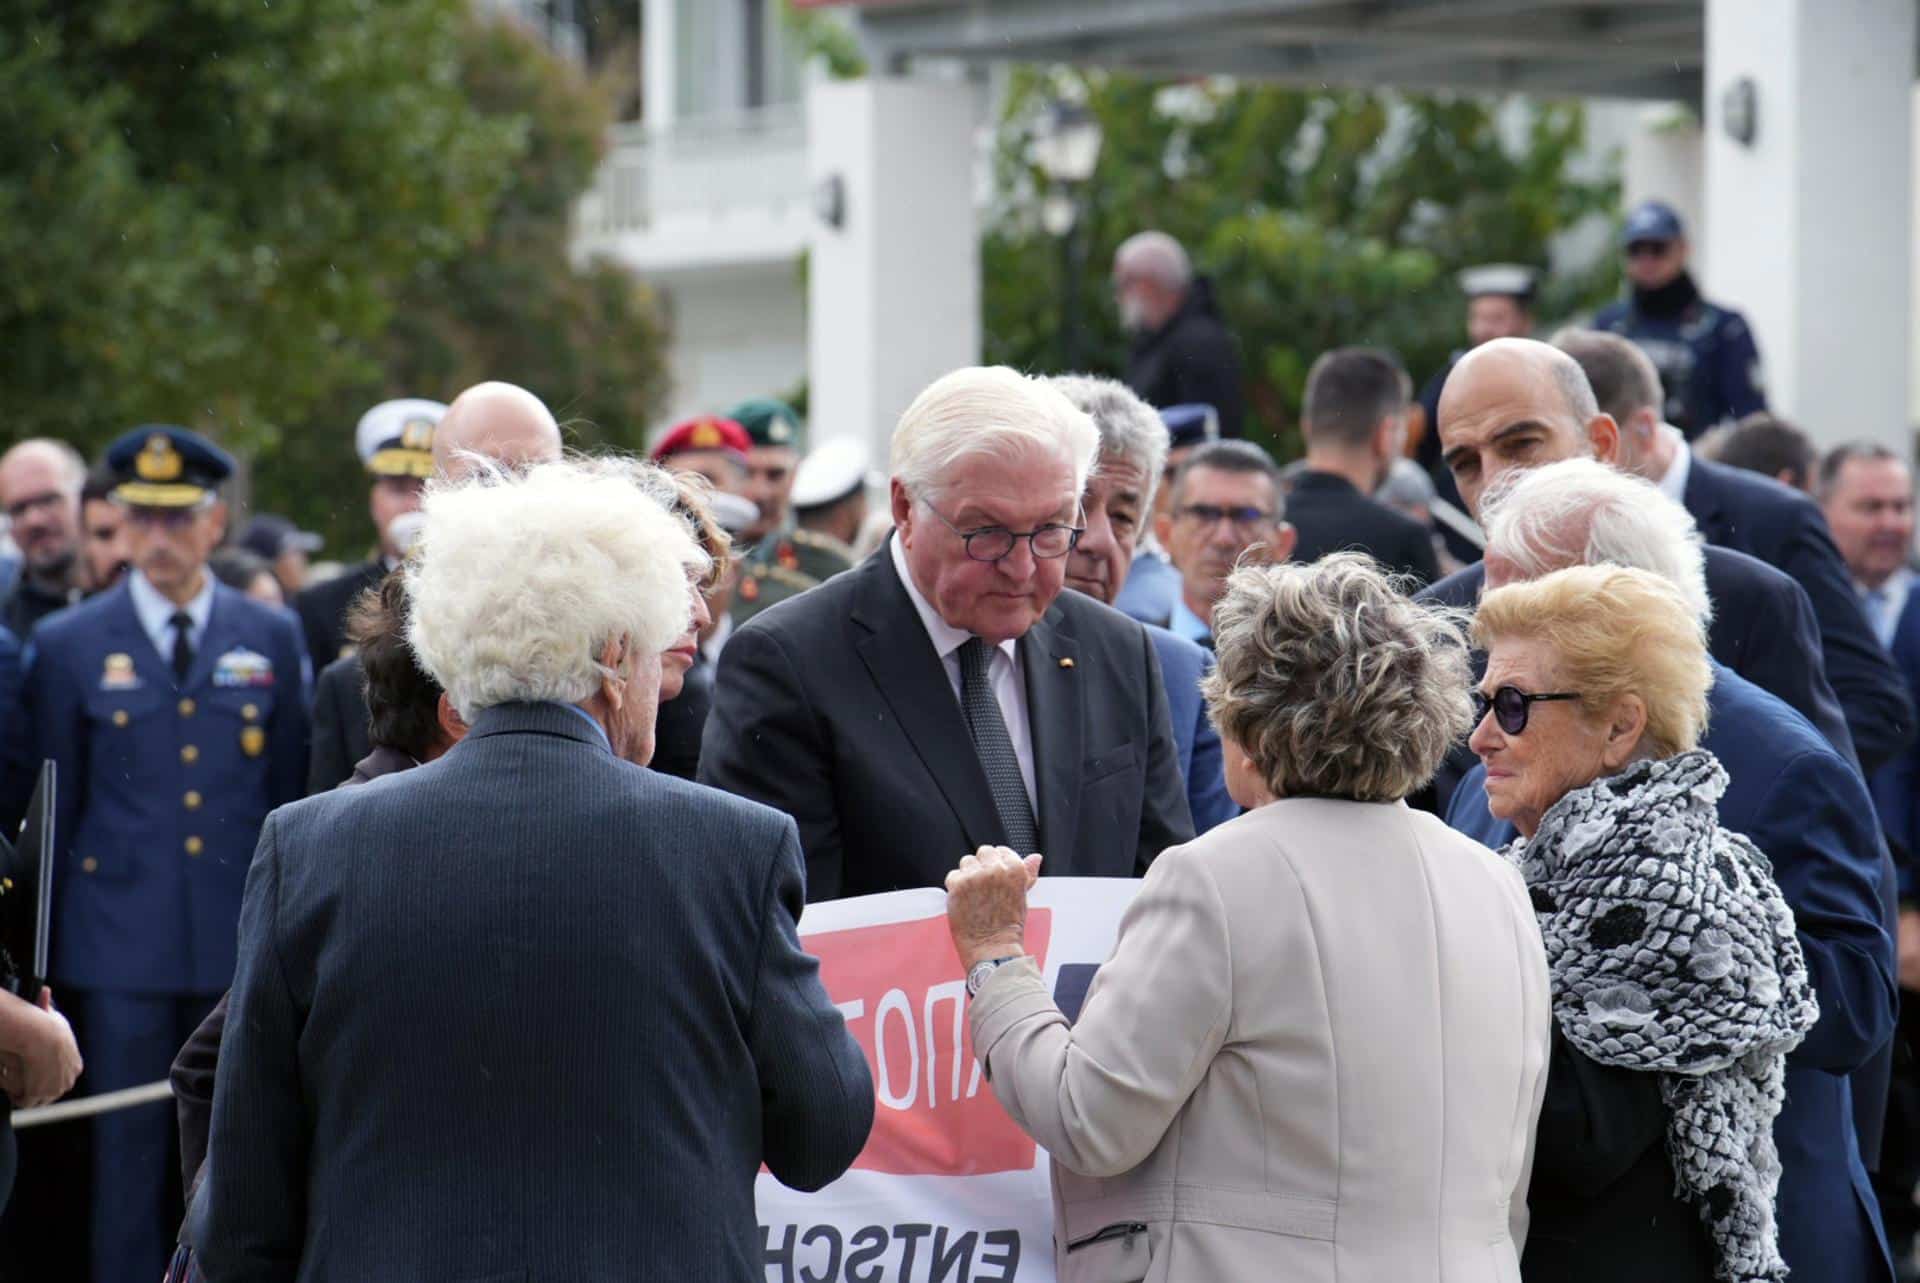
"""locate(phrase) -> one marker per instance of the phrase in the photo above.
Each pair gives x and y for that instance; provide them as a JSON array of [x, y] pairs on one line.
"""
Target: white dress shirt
[[1886, 604], [1003, 672], [156, 612], [1673, 484]]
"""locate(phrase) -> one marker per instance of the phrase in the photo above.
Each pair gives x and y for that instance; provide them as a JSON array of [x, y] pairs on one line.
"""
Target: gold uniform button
[[195, 846], [251, 712], [192, 800], [189, 754], [186, 708], [90, 864], [120, 717]]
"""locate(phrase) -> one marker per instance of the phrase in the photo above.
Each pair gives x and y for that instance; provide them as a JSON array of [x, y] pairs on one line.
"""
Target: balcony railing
[[754, 161]]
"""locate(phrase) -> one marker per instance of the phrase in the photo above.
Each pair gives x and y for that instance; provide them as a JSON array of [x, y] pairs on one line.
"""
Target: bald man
[[497, 421], [40, 481], [1519, 403], [1182, 353]]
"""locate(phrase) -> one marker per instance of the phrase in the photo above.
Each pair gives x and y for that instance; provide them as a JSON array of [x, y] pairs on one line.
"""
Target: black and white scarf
[[1672, 951]]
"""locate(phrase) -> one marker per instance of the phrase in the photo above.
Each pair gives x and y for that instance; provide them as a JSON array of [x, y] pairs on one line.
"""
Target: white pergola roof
[[1650, 49]]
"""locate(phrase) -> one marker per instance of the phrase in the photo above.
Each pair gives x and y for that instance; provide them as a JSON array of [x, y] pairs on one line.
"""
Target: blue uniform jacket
[[162, 788], [1197, 744], [1896, 785], [1709, 364], [1807, 809], [1762, 518]]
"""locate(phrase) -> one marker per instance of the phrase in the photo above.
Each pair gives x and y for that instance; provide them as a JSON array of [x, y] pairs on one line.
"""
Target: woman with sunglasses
[[1678, 984]]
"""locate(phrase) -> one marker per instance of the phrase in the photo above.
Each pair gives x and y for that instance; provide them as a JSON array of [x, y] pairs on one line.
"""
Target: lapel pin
[[1066, 663]]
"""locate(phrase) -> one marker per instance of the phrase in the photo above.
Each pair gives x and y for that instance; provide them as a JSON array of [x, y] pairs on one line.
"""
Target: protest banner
[[947, 1190]]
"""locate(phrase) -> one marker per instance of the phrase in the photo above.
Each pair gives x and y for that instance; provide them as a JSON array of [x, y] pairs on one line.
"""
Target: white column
[[1811, 224], [658, 42], [893, 292]]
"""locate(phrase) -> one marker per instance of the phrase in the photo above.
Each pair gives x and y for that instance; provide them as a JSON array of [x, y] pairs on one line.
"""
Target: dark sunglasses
[[1511, 705]]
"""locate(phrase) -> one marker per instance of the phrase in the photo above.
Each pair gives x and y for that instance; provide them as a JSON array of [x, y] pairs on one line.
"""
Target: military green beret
[[768, 422]]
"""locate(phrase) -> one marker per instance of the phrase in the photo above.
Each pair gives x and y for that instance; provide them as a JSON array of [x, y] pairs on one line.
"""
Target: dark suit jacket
[[1806, 808], [323, 611], [834, 707], [682, 722], [574, 1073], [340, 724], [1758, 516], [1332, 516], [1896, 784]]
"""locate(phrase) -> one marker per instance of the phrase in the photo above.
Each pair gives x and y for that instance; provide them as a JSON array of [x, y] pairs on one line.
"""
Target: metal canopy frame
[[1645, 49]]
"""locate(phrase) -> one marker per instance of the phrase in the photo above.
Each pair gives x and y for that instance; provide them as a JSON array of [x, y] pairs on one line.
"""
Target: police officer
[[1709, 364], [175, 710], [395, 443]]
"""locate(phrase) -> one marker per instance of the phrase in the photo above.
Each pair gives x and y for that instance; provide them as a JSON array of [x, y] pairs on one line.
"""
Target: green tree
[[1322, 218], [590, 341], [207, 206]]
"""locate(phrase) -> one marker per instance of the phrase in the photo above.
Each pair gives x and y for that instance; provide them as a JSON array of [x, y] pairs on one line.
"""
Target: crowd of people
[[1523, 784]]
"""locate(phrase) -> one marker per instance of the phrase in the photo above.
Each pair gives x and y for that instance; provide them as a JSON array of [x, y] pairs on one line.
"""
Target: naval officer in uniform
[[175, 709]]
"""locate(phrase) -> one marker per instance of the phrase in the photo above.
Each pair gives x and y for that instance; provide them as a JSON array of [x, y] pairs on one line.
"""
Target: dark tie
[[182, 644], [995, 747]]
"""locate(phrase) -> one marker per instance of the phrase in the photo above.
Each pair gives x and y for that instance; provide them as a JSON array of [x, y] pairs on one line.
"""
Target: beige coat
[[1317, 1053]]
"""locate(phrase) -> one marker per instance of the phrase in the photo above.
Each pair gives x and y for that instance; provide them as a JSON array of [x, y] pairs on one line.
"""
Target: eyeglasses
[[1511, 706], [991, 543], [18, 510], [1648, 249], [1210, 515]]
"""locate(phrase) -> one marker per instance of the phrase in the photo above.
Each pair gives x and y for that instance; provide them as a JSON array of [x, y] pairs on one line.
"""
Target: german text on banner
[[947, 1190]]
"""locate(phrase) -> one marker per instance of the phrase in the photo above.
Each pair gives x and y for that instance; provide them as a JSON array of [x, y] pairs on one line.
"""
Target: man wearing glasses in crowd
[[1226, 500], [946, 693], [1708, 362]]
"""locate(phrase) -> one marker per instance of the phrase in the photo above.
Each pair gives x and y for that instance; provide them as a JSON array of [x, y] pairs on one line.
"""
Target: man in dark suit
[[1739, 510], [339, 724], [1354, 419], [946, 694], [1803, 804], [611, 1025], [395, 443]]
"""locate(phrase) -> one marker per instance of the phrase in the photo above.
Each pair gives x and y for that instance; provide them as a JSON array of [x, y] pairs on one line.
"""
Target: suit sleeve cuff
[[1014, 993]]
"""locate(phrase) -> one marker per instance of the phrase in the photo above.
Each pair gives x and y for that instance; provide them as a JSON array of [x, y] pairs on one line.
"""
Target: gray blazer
[[527, 1012], [1317, 1054]]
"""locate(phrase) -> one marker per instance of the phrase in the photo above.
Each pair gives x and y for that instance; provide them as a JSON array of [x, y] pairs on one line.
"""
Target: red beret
[[708, 432]]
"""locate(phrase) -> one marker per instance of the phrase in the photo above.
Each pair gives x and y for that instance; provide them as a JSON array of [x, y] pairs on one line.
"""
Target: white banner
[[947, 1190]]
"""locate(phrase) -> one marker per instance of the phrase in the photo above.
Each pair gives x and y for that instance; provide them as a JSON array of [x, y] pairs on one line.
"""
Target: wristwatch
[[981, 972]]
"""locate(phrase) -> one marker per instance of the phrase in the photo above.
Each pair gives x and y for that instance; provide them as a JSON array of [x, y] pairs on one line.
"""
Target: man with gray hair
[[1735, 509], [945, 694], [1182, 353], [552, 1004], [1801, 802], [40, 483], [1133, 448]]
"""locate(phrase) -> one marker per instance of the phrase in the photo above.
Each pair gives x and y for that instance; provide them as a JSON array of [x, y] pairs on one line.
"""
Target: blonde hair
[[1615, 632], [1333, 682]]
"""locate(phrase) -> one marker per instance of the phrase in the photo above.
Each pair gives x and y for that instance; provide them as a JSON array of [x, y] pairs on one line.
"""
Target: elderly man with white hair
[[1804, 806], [946, 694], [1182, 353], [527, 1011]]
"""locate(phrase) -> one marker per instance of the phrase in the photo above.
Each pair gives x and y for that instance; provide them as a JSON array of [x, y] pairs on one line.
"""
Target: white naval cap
[[395, 438], [833, 470], [1515, 280]]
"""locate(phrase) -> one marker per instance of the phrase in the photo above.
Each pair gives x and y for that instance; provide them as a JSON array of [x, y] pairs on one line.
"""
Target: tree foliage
[[1322, 217]]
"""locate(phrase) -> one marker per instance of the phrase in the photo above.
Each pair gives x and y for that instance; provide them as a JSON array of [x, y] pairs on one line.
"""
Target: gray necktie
[[995, 747]]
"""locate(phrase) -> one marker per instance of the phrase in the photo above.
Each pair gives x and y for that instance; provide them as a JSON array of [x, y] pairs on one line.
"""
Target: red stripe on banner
[[901, 990]]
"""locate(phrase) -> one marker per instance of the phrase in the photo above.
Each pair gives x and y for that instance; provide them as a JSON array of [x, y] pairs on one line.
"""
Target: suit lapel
[[1055, 694], [130, 638], [215, 641], [900, 658], [1701, 497]]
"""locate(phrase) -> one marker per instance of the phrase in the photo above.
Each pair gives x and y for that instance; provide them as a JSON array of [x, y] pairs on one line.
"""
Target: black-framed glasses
[[1511, 705], [1210, 515], [991, 543]]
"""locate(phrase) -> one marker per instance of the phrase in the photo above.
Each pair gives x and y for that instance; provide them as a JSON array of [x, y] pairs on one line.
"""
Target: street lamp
[[1067, 150]]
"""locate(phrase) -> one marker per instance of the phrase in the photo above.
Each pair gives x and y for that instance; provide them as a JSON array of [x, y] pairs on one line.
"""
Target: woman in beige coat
[[1318, 1050]]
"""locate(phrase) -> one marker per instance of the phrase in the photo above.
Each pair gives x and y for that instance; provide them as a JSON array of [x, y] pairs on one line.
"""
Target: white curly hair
[[519, 582]]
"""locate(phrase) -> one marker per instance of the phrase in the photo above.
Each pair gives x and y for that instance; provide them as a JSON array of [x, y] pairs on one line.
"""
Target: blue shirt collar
[[1185, 623], [155, 611], [588, 718]]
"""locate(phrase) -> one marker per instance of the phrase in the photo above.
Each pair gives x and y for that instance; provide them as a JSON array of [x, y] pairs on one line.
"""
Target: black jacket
[[834, 707], [1331, 515], [682, 721], [1192, 359], [340, 724], [323, 612]]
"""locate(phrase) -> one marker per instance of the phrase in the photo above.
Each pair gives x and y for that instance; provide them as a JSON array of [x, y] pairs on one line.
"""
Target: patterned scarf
[[1673, 952]]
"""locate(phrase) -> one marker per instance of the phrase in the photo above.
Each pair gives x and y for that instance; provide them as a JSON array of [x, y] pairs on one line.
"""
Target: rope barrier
[[88, 1106]]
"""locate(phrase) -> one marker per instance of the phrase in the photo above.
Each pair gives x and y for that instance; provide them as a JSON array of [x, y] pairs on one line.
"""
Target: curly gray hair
[[1334, 683]]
